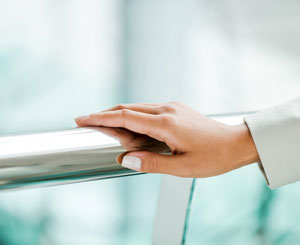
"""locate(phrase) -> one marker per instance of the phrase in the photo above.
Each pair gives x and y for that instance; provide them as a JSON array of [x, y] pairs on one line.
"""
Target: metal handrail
[[68, 156]]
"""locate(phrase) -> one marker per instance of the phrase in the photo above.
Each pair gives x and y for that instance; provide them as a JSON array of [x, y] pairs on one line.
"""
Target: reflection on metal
[[68, 156], [172, 210]]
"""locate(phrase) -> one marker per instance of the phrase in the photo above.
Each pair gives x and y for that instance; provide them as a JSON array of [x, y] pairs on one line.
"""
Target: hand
[[200, 146]]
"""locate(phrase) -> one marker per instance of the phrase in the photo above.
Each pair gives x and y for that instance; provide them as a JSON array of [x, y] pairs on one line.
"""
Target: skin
[[201, 147]]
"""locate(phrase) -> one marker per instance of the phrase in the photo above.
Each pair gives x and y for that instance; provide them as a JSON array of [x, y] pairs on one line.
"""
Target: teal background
[[61, 59]]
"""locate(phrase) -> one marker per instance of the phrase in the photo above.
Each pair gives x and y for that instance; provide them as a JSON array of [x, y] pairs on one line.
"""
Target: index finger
[[138, 122]]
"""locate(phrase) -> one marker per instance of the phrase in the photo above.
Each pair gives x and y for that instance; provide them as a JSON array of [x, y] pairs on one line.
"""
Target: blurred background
[[61, 59]]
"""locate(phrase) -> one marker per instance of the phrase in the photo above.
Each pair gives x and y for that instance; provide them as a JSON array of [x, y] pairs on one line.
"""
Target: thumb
[[150, 162]]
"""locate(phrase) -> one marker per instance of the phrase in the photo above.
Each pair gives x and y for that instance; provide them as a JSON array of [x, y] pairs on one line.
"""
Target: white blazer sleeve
[[276, 134]]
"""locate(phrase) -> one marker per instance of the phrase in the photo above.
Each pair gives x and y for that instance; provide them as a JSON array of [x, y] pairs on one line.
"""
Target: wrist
[[243, 149]]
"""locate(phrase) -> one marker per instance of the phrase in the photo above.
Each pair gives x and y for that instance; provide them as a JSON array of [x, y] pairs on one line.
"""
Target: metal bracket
[[172, 210]]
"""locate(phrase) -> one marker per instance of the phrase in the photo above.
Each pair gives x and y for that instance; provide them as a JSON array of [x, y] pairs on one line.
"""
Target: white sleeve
[[276, 134]]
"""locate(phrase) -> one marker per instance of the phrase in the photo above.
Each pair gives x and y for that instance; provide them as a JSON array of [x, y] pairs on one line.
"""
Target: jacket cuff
[[276, 134]]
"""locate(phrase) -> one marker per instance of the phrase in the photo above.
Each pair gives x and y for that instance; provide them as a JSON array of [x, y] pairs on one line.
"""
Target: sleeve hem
[[260, 164]]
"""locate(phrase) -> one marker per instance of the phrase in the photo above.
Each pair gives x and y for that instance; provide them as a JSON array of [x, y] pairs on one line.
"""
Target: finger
[[151, 125], [118, 133], [149, 162], [145, 108]]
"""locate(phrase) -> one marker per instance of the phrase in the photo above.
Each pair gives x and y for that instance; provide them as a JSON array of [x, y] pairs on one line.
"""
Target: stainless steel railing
[[67, 156]]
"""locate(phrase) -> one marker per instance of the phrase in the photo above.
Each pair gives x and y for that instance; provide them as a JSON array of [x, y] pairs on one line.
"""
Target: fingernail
[[80, 118], [132, 162]]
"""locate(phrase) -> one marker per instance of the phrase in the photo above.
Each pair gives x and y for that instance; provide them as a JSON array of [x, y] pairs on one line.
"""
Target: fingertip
[[81, 118], [79, 123], [132, 162], [120, 157]]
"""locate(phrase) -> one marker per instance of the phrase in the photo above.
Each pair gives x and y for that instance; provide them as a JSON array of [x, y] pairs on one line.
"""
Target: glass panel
[[250, 60], [230, 209], [238, 208]]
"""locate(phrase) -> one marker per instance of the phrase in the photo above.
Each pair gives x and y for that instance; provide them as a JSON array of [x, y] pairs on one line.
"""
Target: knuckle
[[152, 163], [120, 107], [125, 112], [171, 108], [166, 120], [124, 117]]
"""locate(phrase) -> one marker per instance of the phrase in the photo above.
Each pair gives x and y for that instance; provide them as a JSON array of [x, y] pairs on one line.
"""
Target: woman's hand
[[201, 147]]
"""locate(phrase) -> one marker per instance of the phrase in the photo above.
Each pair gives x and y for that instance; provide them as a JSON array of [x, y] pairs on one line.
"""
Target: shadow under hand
[[132, 141]]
